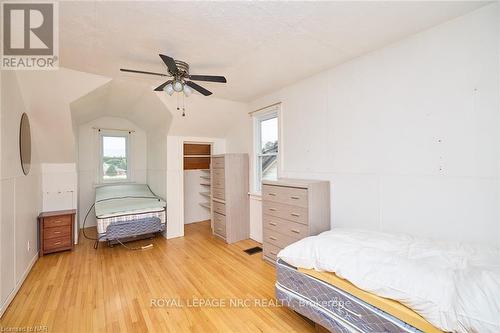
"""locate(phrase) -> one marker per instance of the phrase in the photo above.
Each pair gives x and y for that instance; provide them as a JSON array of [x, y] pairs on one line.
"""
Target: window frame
[[258, 118], [118, 134]]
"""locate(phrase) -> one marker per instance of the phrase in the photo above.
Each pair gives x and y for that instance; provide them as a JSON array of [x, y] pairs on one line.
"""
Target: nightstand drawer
[[56, 243], [57, 221], [55, 232]]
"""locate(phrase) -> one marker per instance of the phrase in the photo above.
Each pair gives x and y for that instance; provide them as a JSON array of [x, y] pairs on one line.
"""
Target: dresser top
[[57, 213], [305, 183]]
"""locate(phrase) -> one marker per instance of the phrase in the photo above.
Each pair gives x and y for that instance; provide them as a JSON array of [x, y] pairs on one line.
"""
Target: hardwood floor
[[115, 289]]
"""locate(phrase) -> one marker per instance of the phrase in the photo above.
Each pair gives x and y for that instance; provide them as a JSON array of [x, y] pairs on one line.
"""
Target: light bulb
[[169, 89], [178, 86], [187, 90]]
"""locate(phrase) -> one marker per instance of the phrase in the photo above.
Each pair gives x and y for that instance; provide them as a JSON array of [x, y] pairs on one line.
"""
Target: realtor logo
[[29, 35]]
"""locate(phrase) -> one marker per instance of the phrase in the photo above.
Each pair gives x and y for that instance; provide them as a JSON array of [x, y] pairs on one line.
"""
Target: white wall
[[157, 163], [407, 135], [20, 194], [59, 189], [193, 211], [88, 160]]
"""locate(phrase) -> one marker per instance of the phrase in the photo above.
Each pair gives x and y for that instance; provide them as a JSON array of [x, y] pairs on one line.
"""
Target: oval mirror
[[25, 143]]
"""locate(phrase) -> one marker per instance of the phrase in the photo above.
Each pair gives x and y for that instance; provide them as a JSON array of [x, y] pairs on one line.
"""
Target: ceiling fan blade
[[141, 72], [170, 62], [162, 86], [198, 88], [208, 78]]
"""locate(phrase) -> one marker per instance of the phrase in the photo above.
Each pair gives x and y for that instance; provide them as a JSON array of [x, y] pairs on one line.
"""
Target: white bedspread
[[455, 286]]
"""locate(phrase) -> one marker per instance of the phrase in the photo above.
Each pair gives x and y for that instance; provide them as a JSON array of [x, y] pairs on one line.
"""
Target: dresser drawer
[[285, 211], [57, 221], [218, 162], [277, 239], [288, 195], [219, 207], [218, 179], [56, 243], [220, 225], [271, 251], [218, 193], [56, 232], [219, 218], [285, 227]]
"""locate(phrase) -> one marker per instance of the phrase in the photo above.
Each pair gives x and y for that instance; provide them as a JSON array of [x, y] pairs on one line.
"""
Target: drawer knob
[[294, 197], [57, 232], [273, 238], [57, 243], [272, 223], [272, 194], [272, 209], [295, 231], [295, 214], [273, 253]]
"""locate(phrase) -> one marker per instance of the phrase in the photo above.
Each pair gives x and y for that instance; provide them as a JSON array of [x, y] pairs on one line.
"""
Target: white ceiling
[[258, 46]]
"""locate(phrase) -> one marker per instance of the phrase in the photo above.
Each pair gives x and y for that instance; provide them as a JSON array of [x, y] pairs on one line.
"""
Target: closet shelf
[[205, 184], [197, 156], [205, 177], [205, 194], [205, 204]]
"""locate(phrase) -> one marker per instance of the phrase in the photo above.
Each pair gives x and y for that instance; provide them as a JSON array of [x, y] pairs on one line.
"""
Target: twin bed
[[362, 281], [127, 211]]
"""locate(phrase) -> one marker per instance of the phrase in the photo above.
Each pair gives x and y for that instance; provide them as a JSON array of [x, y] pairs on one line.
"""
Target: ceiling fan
[[179, 72]]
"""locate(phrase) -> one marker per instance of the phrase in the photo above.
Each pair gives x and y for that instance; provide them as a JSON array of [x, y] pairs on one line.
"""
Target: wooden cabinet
[[55, 231], [230, 207], [291, 210]]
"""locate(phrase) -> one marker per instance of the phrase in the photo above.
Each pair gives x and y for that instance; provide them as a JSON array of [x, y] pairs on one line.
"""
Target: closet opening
[[197, 182]]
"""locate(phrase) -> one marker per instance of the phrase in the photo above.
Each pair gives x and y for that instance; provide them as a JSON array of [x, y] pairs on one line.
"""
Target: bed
[[129, 210], [350, 280]]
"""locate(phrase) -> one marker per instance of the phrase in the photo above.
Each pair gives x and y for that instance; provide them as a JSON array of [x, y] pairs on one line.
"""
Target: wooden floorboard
[[112, 289]]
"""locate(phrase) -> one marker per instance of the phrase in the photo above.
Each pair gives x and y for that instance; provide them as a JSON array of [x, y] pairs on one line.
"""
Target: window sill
[[127, 182], [255, 195]]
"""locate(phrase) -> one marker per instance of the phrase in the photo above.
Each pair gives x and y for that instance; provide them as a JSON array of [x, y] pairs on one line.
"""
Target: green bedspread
[[113, 200]]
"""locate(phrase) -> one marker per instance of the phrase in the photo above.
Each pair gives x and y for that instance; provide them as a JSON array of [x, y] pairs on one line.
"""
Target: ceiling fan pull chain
[[183, 105]]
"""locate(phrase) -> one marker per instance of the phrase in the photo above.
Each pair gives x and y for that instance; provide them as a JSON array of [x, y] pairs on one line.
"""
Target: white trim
[[260, 115], [14, 292], [128, 143]]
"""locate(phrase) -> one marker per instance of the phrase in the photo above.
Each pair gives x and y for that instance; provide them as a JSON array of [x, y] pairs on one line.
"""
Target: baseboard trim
[[14, 292]]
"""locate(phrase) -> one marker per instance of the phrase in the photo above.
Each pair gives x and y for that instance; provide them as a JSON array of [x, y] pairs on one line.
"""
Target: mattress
[[331, 307], [454, 286], [119, 203]]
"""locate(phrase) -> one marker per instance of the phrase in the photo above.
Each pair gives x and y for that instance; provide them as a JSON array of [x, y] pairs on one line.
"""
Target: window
[[114, 157], [266, 147]]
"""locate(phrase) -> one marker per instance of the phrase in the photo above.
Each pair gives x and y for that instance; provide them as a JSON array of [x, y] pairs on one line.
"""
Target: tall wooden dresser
[[230, 207], [291, 210]]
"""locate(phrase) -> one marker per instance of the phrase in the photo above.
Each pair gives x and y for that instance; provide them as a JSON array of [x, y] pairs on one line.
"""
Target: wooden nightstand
[[55, 231]]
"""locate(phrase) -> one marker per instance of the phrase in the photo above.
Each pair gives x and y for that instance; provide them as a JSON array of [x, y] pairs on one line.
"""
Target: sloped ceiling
[[48, 94], [259, 46], [128, 99], [205, 117]]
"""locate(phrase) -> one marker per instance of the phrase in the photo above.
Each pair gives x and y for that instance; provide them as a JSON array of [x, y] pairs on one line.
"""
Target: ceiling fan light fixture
[[169, 89], [187, 90], [178, 86]]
